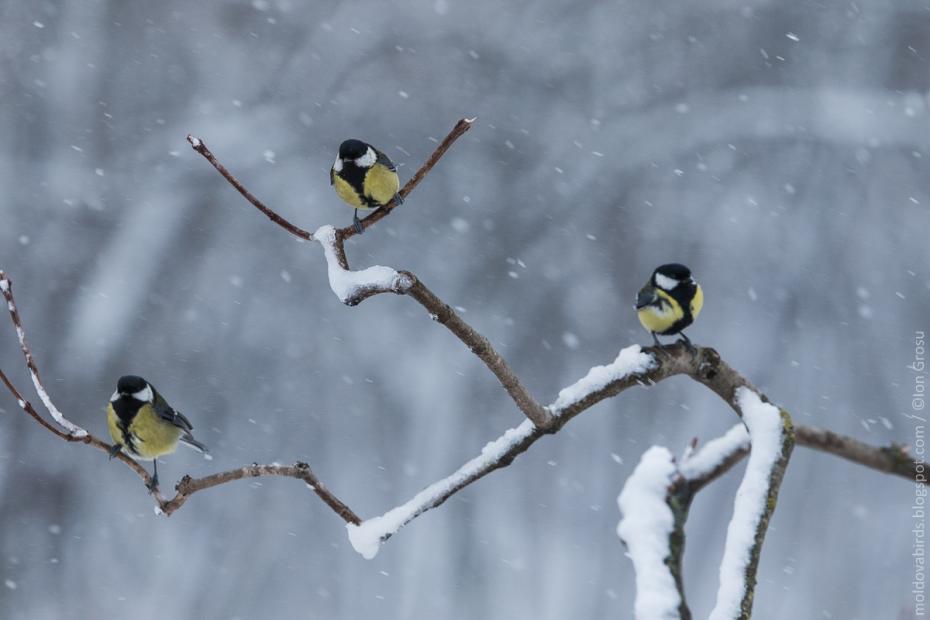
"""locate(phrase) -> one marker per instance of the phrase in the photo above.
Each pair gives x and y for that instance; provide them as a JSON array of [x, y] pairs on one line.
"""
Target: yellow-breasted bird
[[669, 302], [364, 177], [144, 425]]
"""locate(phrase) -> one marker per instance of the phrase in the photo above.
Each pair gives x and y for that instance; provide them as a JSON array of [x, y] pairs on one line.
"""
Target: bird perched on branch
[[364, 177], [144, 425], [669, 302]]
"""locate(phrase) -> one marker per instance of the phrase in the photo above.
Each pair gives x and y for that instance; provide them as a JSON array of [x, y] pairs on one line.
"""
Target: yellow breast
[[116, 434], [381, 184], [348, 194], [656, 319], [697, 302], [152, 436]]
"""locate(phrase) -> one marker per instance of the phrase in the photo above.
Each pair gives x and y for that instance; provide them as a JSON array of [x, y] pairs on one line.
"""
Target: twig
[[187, 486], [6, 288], [201, 148], [301, 471], [442, 313], [344, 233], [353, 287], [891, 459], [460, 128], [696, 471]]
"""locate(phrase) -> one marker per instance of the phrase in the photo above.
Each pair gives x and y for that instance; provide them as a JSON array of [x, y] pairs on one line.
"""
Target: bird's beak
[[646, 296]]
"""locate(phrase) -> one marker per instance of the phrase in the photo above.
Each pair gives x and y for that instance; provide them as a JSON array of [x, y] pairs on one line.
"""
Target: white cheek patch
[[367, 160], [337, 166], [144, 395], [115, 397], [665, 282]]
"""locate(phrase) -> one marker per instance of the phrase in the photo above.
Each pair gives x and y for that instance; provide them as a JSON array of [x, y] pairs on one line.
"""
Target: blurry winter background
[[781, 151]]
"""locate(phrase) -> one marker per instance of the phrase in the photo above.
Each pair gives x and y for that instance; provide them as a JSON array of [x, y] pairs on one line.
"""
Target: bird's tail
[[188, 440]]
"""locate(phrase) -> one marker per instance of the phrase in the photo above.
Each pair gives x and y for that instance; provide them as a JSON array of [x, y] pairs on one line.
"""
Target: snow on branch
[[630, 361], [366, 538], [772, 439], [6, 288], [646, 529], [353, 287], [704, 465]]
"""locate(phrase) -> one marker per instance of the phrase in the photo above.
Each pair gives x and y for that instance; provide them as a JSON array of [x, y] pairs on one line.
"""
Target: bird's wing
[[385, 160], [165, 412], [332, 176]]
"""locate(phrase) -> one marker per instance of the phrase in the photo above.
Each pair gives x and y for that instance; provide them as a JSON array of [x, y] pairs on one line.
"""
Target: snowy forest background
[[781, 151]]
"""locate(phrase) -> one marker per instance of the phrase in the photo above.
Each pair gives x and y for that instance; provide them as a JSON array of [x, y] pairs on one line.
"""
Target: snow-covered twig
[[631, 361], [646, 529], [715, 457], [367, 537], [644, 365], [6, 288], [353, 287], [772, 439]]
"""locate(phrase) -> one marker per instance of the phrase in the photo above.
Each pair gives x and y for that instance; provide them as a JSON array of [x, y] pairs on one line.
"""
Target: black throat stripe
[[355, 176]]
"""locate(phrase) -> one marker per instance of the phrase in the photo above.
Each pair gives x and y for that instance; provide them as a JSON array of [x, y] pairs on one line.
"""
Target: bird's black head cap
[[352, 149], [130, 384], [675, 271]]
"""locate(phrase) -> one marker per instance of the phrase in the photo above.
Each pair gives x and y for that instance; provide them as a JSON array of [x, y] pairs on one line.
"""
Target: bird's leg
[[114, 451], [153, 485], [687, 342], [398, 199], [358, 223], [661, 347]]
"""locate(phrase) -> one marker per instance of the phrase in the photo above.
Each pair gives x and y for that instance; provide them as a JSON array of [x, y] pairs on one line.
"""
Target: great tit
[[364, 177], [144, 425], [669, 302]]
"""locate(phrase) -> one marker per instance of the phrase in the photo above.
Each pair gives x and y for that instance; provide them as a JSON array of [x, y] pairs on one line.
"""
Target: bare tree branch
[[891, 459], [301, 471], [199, 146], [345, 233], [442, 313], [460, 128]]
